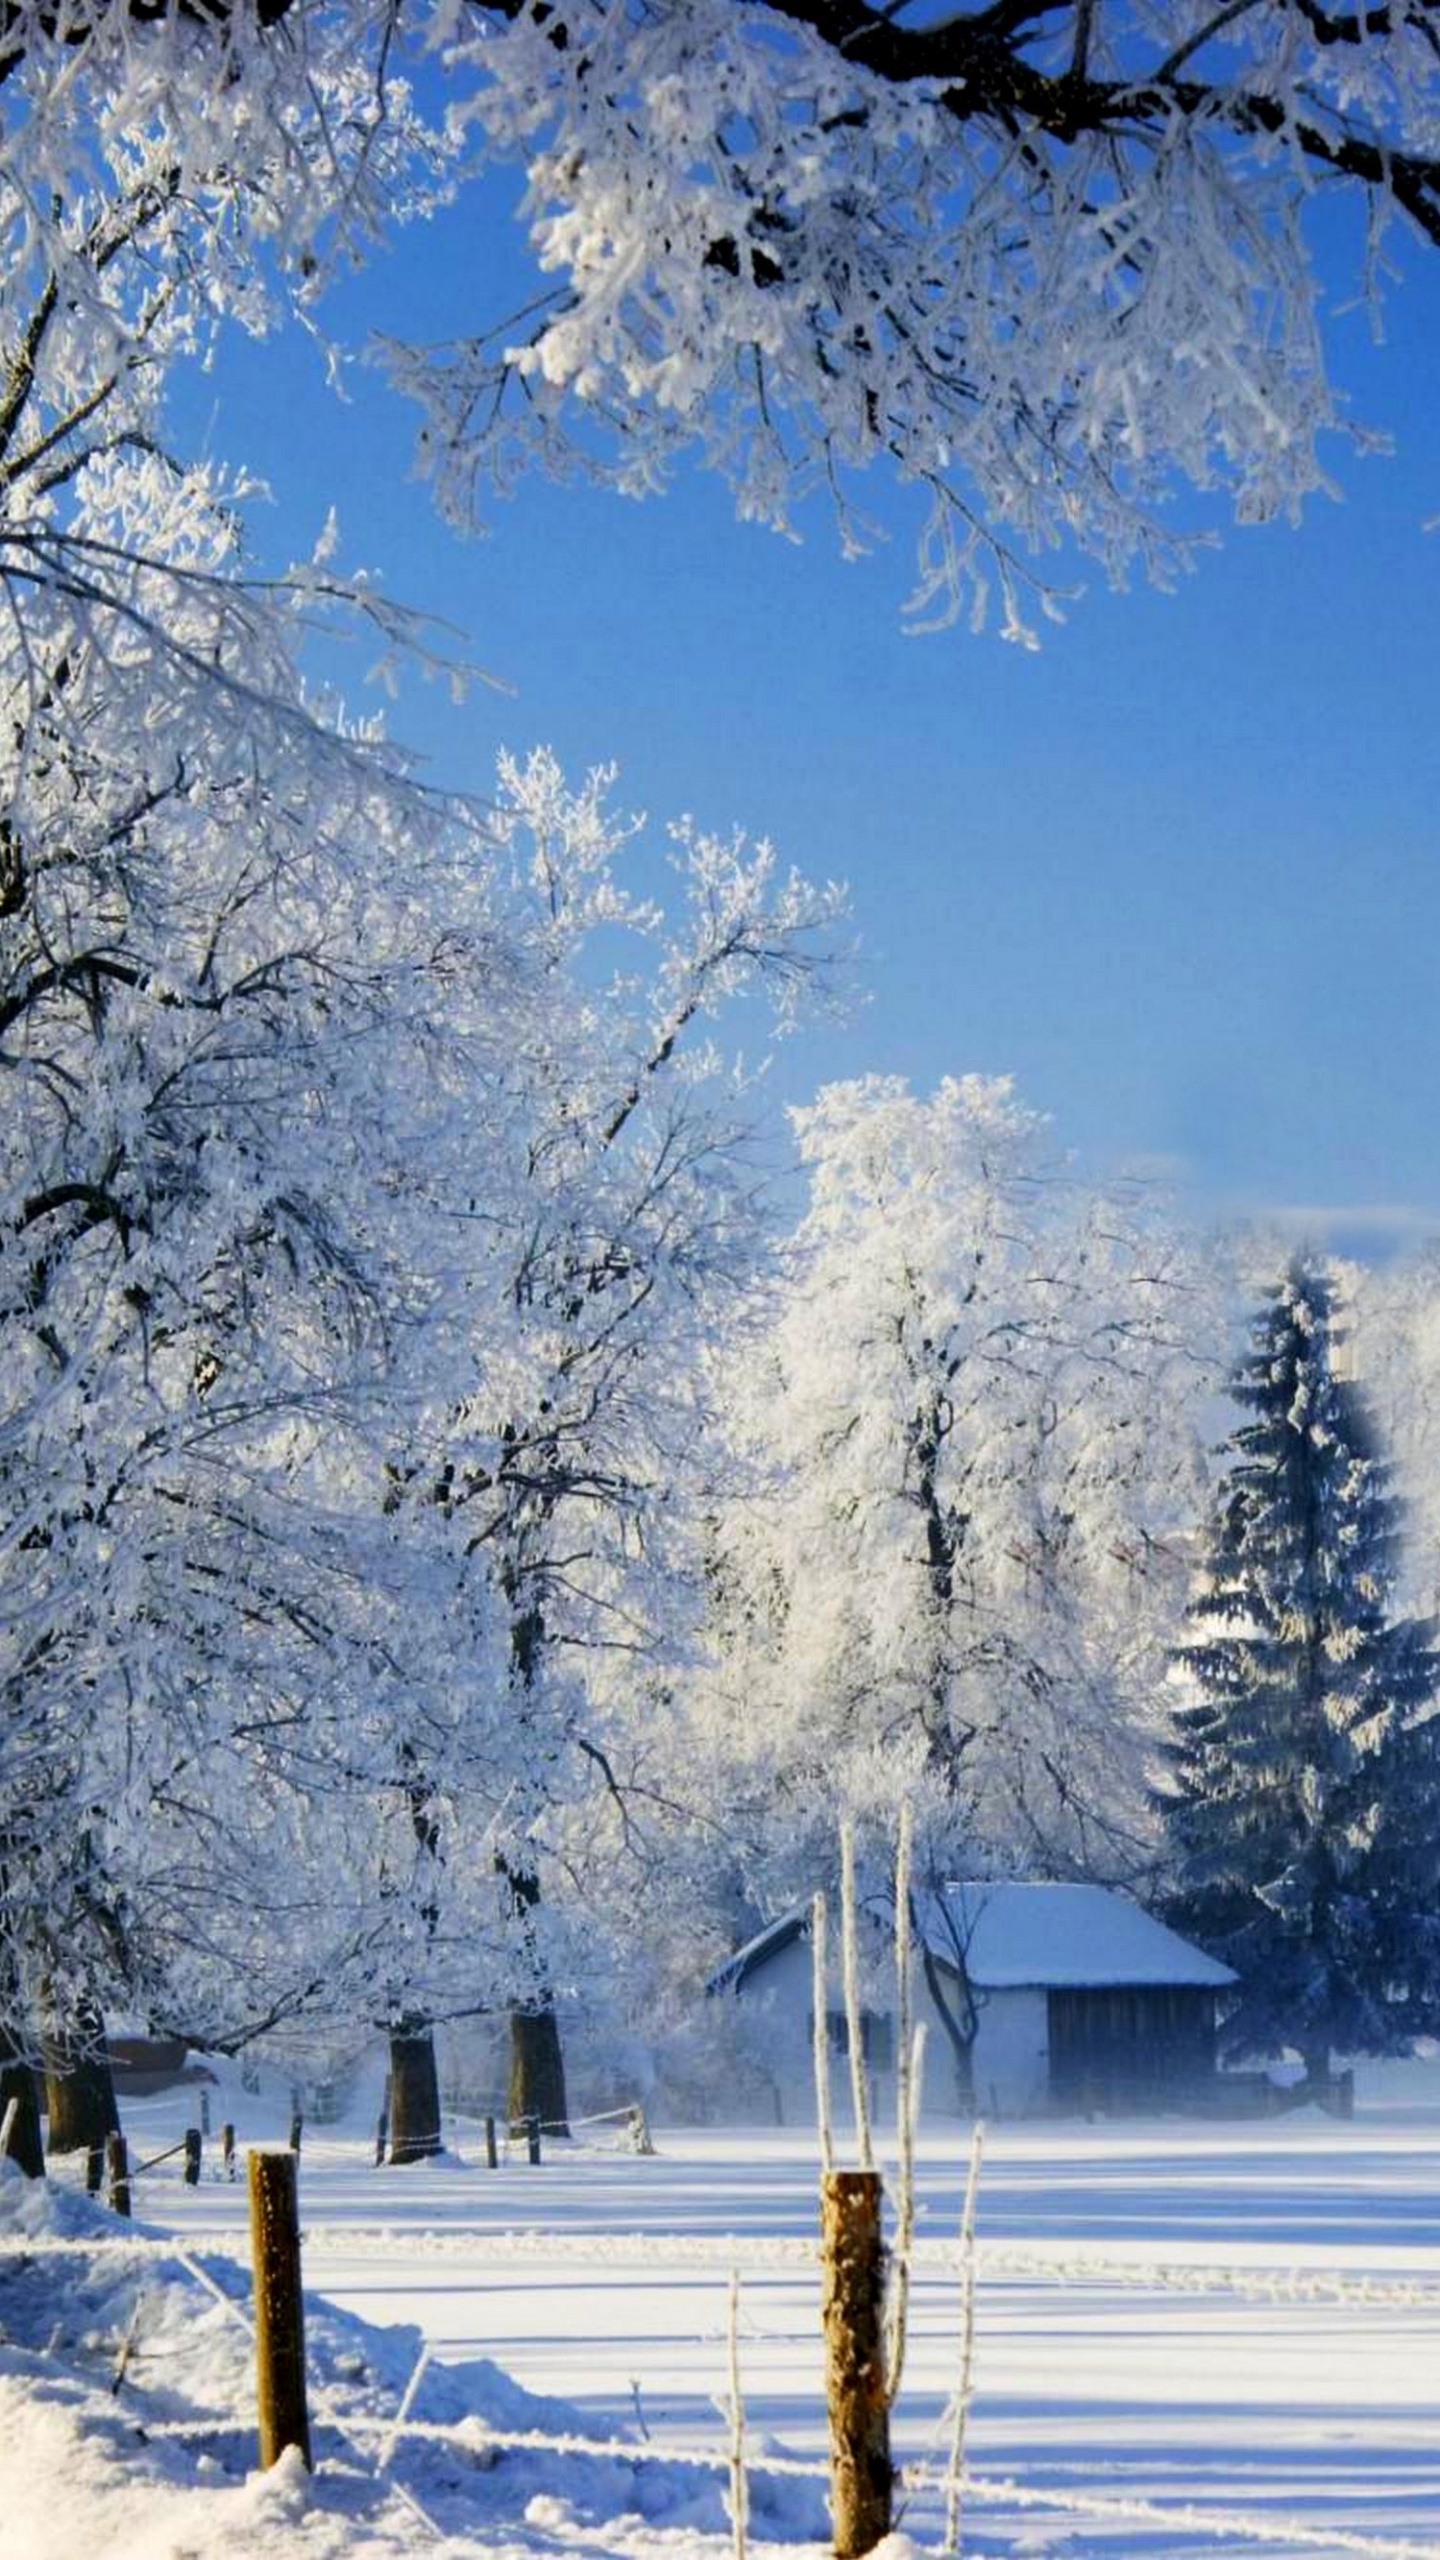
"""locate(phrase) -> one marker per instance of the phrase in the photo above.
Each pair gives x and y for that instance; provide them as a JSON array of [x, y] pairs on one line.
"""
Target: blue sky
[[1177, 874]]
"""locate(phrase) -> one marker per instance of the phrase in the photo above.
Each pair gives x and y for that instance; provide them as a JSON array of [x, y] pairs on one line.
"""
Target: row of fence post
[[528, 2128], [852, 2312], [519, 2128], [108, 2164]]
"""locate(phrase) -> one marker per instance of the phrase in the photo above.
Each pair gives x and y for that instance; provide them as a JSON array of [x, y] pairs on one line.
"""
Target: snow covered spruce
[[1304, 1800]]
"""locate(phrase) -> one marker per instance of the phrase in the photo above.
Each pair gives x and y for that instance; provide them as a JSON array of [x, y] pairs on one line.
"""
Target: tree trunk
[[79, 2087], [537, 2066], [537, 2069], [17, 2077], [414, 2093], [17, 2081], [1316, 2058], [962, 2045]]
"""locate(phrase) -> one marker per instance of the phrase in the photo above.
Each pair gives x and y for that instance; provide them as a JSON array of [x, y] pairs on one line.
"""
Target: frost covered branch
[[1048, 264]]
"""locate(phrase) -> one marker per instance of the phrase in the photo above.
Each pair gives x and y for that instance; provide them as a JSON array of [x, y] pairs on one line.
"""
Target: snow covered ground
[[1169, 2316]]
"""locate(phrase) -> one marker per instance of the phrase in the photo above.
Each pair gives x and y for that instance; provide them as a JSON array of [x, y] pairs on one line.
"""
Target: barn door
[[1130, 2047]]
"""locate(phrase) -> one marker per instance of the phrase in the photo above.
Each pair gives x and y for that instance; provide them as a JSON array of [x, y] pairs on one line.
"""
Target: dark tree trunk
[[957, 2015], [537, 2066], [1316, 2058], [537, 2069], [79, 2088], [17, 2077], [17, 2081], [414, 2093]]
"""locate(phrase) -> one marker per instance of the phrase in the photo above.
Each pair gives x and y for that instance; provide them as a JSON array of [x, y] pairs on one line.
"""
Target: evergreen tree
[[1304, 1775]]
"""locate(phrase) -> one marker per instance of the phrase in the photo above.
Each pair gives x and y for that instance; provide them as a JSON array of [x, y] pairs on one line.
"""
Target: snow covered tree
[[1046, 262], [1043, 261], [251, 992], [1394, 1315], [1304, 1775], [291, 988], [628, 1222], [246, 1017], [251, 980], [970, 1422]]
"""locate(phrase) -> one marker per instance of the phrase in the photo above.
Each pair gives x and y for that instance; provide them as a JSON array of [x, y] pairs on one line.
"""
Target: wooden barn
[[1067, 1998]]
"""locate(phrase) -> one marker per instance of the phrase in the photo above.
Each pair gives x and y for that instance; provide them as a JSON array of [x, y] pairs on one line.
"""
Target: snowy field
[[1239, 2320]]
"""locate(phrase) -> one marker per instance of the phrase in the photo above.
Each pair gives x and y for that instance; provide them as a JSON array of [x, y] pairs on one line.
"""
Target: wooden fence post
[[94, 2168], [279, 2307], [297, 2129], [492, 2156], [117, 2165], [853, 2305], [227, 2149], [191, 2172], [532, 2137]]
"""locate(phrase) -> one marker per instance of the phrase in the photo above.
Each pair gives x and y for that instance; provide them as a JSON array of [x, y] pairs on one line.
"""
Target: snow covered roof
[[738, 1968], [1060, 1937], [1049, 1937]]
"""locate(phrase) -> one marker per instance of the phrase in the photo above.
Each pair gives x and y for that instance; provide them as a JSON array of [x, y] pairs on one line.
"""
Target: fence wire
[[1275, 2286], [982, 2488]]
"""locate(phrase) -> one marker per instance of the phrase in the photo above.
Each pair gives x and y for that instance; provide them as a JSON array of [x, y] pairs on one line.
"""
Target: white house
[[1064, 1996]]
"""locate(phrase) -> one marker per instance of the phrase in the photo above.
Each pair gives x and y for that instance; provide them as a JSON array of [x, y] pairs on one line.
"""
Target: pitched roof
[[1058, 1937], [1048, 1937], [738, 1968]]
